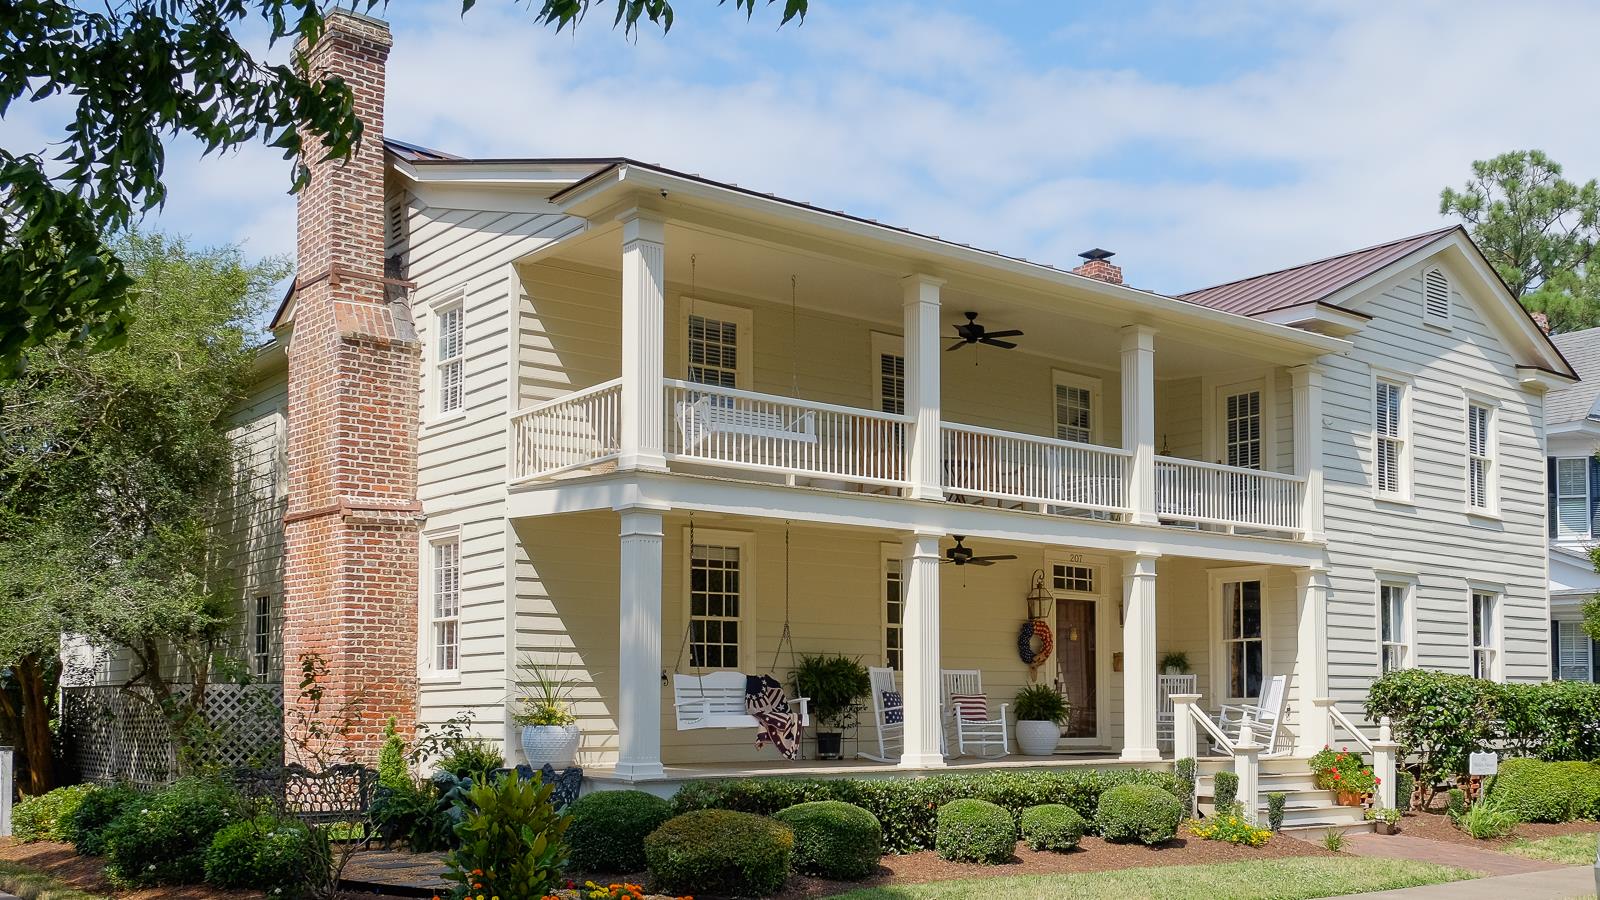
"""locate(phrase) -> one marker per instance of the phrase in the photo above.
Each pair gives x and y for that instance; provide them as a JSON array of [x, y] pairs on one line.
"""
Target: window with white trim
[[448, 360], [1077, 407], [1572, 497], [1573, 652], [1078, 579], [1436, 297], [444, 607], [894, 609], [261, 636], [1241, 436], [1243, 638], [1389, 437], [1393, 626], [1480, 456], [1485, 635], [716, 594], [888, 373]]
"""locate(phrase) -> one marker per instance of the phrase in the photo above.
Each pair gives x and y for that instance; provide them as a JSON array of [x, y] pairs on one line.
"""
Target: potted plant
[[549, 729], [1384, 820], [1345, 774], [1041, 711], [835, 685], [1175, 662]]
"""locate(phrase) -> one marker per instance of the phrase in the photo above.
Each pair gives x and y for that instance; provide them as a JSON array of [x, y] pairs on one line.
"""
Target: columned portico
[[924, 467], [639, 665], [1139, 657], [1139, 422], [643, 341], [922, 665], [1311, 658]]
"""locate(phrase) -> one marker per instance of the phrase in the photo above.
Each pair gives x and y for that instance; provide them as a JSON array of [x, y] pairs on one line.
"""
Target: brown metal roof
[[1309, 282]]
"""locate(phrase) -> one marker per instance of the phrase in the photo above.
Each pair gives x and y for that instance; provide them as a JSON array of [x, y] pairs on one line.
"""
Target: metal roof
[[1308, 282]]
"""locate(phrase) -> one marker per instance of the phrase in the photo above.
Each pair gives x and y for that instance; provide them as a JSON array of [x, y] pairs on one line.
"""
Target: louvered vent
[[1436, 296], [394, 223]]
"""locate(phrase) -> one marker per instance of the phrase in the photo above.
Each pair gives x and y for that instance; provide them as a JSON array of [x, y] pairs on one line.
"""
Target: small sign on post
[[1483, 763]]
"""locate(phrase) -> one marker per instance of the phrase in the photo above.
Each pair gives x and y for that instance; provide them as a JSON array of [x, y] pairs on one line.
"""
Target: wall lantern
[[1041, 603]]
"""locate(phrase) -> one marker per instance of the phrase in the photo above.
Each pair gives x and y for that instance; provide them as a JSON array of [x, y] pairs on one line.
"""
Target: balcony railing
[[1001, 465], [1210, 494], [574, 431]]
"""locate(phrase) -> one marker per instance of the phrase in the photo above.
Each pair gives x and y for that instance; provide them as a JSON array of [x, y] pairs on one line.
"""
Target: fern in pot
[[550, 731], [835, 686], [1041, 711]]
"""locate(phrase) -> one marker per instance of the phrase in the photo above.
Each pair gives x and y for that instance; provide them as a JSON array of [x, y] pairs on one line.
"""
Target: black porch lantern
[[1041, 603]]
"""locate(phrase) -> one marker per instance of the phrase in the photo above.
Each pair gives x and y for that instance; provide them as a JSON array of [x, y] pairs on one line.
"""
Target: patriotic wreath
[[1035, 628]]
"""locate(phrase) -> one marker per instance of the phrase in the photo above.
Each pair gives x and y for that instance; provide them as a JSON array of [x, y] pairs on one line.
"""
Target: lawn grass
[[31, 885], [1269, 879], [1567, 849]]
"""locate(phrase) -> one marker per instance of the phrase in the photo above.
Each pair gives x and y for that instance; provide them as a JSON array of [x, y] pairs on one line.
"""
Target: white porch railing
[[1211, 494], [745, 430], [572, 431], [1007, 466]]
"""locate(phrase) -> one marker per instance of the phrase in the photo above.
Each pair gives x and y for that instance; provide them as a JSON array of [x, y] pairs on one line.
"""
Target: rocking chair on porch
[[1266, 714], [888, 713]]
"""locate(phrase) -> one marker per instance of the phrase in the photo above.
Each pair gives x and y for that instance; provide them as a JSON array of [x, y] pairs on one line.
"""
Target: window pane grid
[[1390, 447], [713, 351], [451, 344], [1572, 497], [1573, 650], [1074, 413], [1392, 626], [894, 615], [263, 635], [1073, 578], [1484, 639], [1243, 643], [1478, 460], [1242, 419], [446, 605], [714, 600]]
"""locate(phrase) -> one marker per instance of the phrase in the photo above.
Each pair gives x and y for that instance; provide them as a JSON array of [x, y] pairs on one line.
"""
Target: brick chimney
[[1097, 265], [1541, 320], [351, 529]]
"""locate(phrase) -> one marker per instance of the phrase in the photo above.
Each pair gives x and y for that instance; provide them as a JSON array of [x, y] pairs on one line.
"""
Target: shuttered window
[[1573, 652], [892, 383], [713, 351], [1480, 462], [451, 346], [1389, 433], [1572, 498], [1242, 421], [1393, 627], [1436, 297]]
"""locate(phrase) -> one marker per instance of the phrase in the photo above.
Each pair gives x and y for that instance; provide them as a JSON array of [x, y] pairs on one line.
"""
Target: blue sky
[[1202, 141]]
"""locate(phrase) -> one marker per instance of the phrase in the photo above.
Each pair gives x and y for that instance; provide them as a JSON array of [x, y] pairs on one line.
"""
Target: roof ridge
[[1437, 232]]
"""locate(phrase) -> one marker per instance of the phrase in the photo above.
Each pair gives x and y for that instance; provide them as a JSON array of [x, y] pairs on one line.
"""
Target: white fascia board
[[1579, 426], [1318, 317], [552, 176], [624, 490]]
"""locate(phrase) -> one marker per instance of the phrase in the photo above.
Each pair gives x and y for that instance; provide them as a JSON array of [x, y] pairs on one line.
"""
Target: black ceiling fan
[[973, 333], [961, 555]]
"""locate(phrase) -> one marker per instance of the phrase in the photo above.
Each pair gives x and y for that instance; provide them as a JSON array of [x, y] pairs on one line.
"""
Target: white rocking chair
[[716, 700], [1167, 686], [887, 720], [981, 731], [1266, 714]]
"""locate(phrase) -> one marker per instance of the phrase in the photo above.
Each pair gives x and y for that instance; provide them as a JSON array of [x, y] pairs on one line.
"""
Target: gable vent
[[1436, 296]]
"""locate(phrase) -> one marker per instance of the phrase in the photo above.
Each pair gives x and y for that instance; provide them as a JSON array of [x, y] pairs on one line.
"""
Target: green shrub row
[[1537, 791], [1141, 813], [907, 808], [1442, 718], [833, 839], [975, 831], [48, 817], [1052, 826], [721, 853]]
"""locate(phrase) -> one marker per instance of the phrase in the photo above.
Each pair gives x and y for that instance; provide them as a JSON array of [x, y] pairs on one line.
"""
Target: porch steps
[[1308, 811]]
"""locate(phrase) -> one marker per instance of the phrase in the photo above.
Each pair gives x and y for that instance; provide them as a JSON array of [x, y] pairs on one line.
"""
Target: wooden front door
[[1076, 632]]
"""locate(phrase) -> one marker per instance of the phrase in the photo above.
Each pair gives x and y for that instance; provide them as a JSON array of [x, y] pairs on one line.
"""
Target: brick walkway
[[1400, 846]]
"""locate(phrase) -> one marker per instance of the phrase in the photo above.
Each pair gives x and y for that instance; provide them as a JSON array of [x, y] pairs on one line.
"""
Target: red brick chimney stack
[[351, 530], [1097, 265]]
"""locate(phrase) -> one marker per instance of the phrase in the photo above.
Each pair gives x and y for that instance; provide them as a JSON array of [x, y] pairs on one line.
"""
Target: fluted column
[[924, 464], [1139, 419], [643, 340], [639, 663], [1139, 684], [1308, 447], [921, 635]]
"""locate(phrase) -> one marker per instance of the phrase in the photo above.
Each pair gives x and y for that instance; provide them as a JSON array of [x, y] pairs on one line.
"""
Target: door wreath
[[1031, 629]]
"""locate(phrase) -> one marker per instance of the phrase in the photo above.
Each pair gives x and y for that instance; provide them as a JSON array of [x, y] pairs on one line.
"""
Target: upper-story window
[[1480, 456], [1390, 432], [1569, 488], [717, 344], [888, 373], [1241, 419], [261, 636], [1077, 407], [1436, 297], [450, 346], [1394, 626]]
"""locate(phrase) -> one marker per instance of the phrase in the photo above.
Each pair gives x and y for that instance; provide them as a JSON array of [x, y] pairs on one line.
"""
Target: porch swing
[[717, 699]]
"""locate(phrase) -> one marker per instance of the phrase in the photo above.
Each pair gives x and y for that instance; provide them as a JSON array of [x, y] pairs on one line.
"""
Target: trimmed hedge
[[1538, 791], [1051, 826], [163, 838], [48, 817], [976, 831], [721, 853], [86, 827], [609, 827], [1224, 790], [266, 853], [834, 839], [1138, 812], [906, 808]]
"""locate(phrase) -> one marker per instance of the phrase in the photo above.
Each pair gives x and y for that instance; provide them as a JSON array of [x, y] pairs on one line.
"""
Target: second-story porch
[[683, 342]]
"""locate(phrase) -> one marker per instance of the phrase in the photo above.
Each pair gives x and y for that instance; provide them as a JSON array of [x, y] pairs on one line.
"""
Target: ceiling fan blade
[[957, 345], [1003, 345], [1008, 333], [978, 561], [992, 558]]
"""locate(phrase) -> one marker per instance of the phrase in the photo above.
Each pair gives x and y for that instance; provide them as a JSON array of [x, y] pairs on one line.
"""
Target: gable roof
[[1309, 282], [1576, 402]]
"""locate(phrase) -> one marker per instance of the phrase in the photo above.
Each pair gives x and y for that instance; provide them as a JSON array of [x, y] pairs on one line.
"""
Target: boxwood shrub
[[608, 829], [86, 827], [1138, 812], [163, 838], [834, 839], [906, 808], [266, 853], [719, 852], [1538, 791], [976, 831], [48, 816], [1052, 826]]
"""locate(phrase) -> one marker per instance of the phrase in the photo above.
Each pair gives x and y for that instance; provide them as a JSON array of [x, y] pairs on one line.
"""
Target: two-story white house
[[669, 425]]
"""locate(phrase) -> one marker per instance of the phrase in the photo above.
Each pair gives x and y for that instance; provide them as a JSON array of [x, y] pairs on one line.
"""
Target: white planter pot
[[1037, 738], [553, 744]]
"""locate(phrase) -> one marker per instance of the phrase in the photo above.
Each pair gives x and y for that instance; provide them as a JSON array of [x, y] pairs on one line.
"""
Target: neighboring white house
[[1573, 486]]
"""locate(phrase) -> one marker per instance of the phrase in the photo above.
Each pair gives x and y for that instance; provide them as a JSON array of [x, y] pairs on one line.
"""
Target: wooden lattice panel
[[116, 733]]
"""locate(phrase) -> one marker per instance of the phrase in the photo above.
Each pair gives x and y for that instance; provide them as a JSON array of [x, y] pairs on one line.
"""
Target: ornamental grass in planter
[[1041, 711], [550, 731]]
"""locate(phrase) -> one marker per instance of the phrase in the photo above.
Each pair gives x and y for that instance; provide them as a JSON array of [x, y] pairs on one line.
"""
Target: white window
[[1243, 641], [1572, 497], [717, 343], [1389, 436], [1393, 626], [261, 636], [1241, 435], [1077, 579], [1480, 457], [716, 603], [1573, 652], [1077, 407], [1485, 635], [888, 373], [1436, 298], [450, 346], [894, 610], [444, 631]]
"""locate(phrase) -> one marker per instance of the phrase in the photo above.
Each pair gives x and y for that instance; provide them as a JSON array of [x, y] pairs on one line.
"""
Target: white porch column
[[1139, 419], [1139, 684], [1311, 659], [639, 663], [924, 466], [1385, 756], [1308, 447], [923, 729], [643, 340]]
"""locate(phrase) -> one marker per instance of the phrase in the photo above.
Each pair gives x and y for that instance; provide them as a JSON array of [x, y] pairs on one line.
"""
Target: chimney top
[[1096, 254], [1097, 266]]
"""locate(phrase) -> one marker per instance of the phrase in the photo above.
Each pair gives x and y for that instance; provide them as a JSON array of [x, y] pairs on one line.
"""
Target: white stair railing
[[1002, 465], [572, 431], [1385, 751], [1209, 494]]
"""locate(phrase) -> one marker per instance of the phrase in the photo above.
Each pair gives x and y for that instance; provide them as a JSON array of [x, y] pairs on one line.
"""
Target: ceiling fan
[[973, 333], [961, 555]]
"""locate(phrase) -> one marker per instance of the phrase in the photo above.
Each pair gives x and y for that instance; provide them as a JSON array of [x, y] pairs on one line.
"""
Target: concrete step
[[1270, 765], [1313, 831], [1270, 781]]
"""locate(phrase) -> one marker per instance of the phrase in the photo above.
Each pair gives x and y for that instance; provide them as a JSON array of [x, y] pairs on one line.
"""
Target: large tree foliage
[[112, 466], [138, 72], [1539, 230]]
